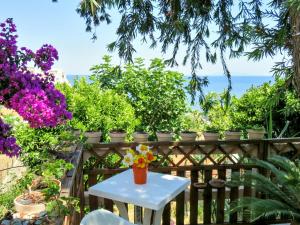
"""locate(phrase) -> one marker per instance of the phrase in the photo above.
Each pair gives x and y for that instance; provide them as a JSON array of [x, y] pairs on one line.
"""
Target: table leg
[[156, 219], [122, 209], [147, 216], [158, 216]]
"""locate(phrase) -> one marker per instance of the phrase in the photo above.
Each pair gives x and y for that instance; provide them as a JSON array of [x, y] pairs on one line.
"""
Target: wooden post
[[180, 204], [81, 189], [93, 200], [221, 197], [194, 199], [207, 198], [167, 215]]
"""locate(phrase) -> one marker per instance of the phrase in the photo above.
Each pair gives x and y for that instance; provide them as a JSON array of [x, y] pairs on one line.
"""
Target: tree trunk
[[295, 22]]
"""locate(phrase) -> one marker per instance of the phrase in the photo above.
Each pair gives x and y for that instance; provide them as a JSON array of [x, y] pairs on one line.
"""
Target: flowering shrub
[[8, 144], [31, 95], [140, 159], [40, 107]]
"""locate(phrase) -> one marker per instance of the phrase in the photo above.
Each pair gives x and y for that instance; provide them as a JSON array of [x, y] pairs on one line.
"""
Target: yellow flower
[[143, 149], [140, 161], [150, 157]]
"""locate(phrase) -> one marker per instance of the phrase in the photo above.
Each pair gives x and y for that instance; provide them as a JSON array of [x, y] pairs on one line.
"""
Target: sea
[[218, 84]]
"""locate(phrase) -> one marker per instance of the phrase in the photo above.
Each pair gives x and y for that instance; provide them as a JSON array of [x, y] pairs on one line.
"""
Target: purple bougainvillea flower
[[33, 96], [8, 144]]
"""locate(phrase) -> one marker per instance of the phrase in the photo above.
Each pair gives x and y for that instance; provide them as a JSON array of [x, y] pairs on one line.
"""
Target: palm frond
[[281, 175], [281, 189], [264, 208], [282, 162]]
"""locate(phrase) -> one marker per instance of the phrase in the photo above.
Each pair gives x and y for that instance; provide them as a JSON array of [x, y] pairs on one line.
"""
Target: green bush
[[250, 109], [273, 106], [216, 112], [95, 109], [156, 93], [42, 145], [193, 121]]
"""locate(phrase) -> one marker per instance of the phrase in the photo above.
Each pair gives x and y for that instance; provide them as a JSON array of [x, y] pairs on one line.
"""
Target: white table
[[153, 196]]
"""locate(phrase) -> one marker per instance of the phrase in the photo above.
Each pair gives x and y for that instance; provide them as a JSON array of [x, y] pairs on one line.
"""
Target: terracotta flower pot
[[116, 136], [76, 133], [233, 135], [256, 134], [140, 136], [140, 175], [28, 206], [188, 136], [210, 136], [93, 137], [164, 136]]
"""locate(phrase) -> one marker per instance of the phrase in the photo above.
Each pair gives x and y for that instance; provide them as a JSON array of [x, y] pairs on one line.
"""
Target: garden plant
[[152, 98], [38, 108], [33, 96], [281, 190]]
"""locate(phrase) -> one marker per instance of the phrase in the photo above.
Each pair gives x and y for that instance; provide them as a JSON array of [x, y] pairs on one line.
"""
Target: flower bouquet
[[139, 160]]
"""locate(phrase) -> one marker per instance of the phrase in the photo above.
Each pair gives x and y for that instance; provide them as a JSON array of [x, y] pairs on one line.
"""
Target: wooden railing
[[201, 161], [72, 186]]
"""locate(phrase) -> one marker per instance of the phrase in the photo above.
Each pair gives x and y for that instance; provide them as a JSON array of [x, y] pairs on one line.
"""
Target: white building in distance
[[59, 75]]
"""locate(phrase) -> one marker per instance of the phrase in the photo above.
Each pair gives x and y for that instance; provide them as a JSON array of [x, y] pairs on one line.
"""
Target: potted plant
[[140, 136], [282, 191], [77, 128], [57, 209], [211, 134], [117, 135], [139, 160], [33, 201], [56, 169], [233, 134], [42, 188], [30, 203], [188, 135], [49, 187], [93, 135], [91, 131], [164, 135], [49, 183], [76, 133], [67, 141], [256, 132]]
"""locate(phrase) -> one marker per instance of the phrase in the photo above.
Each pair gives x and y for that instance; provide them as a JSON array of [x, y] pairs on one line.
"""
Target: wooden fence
[[72, 186], [201, 161]]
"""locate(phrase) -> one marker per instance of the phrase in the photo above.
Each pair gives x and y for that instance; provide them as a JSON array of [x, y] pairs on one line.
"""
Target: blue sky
[[41, 21]]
